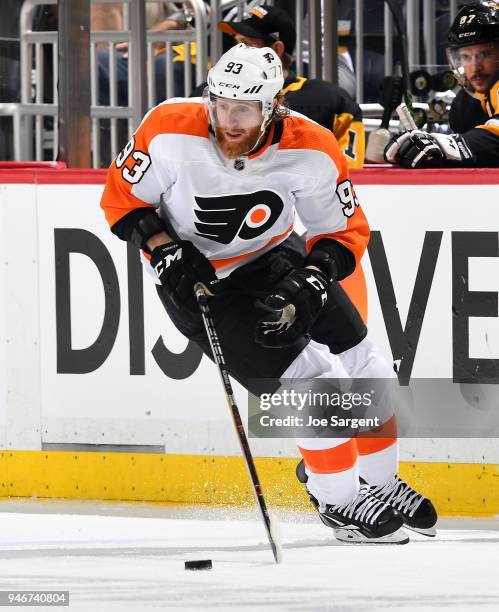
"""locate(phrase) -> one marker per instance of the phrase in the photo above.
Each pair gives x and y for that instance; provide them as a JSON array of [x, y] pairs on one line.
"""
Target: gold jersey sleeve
[[352, 143]]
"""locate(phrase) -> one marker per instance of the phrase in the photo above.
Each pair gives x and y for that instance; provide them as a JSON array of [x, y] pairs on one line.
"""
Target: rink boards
[[100, 396]]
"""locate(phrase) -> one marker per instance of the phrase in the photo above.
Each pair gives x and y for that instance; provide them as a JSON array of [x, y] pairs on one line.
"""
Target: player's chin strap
[[261, 140], [267, 125], [264, 132]]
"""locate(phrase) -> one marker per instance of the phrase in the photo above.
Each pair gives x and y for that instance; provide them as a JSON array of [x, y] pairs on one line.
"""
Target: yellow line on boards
[[464, 489]]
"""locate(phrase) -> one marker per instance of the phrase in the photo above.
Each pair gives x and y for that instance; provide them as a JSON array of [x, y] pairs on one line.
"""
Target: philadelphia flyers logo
[[246, 216]]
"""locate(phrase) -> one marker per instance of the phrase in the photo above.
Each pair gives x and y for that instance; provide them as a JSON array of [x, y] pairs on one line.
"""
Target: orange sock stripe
[[384, 436], [330, 460]]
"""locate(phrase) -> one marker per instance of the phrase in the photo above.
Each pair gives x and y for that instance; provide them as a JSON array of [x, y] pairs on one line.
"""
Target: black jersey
[[319, 100], [478, 122], [329, 106], [466, 112]]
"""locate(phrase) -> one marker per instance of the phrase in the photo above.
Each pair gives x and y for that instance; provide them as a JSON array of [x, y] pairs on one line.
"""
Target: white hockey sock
[[335, 489], [377, 468]]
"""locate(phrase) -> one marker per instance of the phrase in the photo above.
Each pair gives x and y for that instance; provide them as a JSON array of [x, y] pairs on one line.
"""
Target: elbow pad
[[138, 226]]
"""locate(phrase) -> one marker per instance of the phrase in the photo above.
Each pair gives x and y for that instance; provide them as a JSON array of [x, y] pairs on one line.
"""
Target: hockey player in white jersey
[[228, 172]]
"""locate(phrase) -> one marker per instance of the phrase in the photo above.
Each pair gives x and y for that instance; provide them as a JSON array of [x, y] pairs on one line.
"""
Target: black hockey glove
[[292, 308], [179, 266], [418, 149]]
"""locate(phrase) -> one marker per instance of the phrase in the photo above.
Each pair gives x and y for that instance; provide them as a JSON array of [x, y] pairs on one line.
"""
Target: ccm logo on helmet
[[246, 216]]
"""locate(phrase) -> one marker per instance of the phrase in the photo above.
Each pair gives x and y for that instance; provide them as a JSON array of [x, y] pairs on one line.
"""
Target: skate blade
[[430, 532], [353, 536]]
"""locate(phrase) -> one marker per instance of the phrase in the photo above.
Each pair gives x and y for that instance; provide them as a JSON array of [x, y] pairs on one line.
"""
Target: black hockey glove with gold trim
[[292, 308]]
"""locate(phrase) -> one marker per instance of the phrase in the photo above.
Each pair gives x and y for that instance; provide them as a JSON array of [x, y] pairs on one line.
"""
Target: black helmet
[[475, 23]]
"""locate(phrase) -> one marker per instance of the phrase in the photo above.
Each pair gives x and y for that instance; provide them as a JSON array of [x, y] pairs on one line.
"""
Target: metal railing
[[418, 13], [35, 117], [35, 138]]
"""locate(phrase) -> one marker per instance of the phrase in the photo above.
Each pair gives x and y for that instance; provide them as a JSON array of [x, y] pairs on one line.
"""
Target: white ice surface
[[131, 556]]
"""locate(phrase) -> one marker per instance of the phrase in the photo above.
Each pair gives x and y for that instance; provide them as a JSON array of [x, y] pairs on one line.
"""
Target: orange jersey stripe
[[356, 289], [113, 202], [330, 460], [355, 236], [223, 263], [369, 445], [306, 134], [186, 118]]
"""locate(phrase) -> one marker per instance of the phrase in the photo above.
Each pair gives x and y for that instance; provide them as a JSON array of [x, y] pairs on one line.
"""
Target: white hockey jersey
[[235, 210]]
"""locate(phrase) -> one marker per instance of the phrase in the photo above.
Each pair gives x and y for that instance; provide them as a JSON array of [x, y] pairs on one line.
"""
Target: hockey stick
[[398, 20], [202, 295], [406, 118], [391, 95], [391, 92]]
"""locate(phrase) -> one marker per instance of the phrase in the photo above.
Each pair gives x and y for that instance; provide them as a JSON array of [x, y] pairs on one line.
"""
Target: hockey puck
[[198, 565]]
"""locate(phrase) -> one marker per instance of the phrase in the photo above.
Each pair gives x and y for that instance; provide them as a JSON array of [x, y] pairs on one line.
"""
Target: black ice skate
[[418, 512], [364, 520]]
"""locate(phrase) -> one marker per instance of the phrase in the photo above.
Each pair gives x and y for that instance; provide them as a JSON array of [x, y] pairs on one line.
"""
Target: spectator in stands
[[373, 41], [473, 53], [324, 102], [346, 73], [160, 16]]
